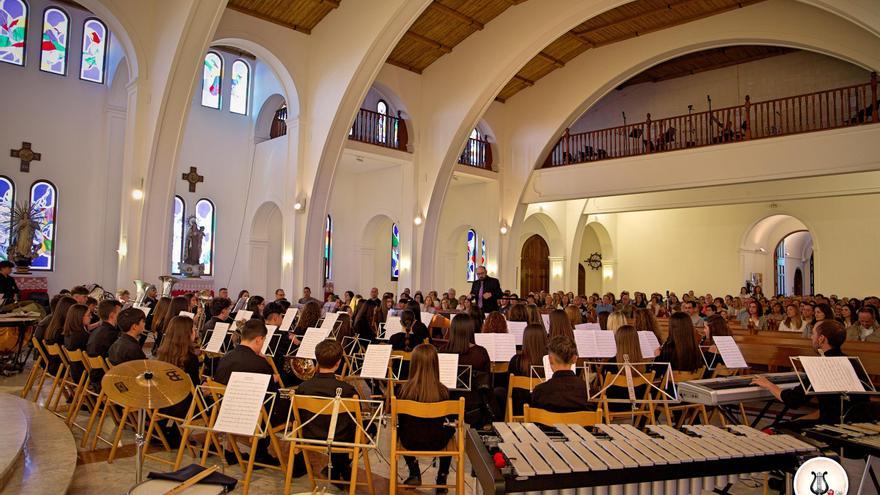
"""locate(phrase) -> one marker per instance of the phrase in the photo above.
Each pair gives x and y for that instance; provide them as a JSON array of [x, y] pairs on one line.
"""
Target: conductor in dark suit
[[486, 291]]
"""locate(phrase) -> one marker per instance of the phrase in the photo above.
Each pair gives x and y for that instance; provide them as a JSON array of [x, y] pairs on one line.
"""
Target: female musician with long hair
[[76, 334], [574, 315], [627, 339], [534, 348], [616, 320], [680, 349], [364, 319], [461, 342], [534, 316], [178, 304], [494, 323], [645, 321], [412, 336], [54, 332], [560, 325], [716, 326], [256, 304], [178, 348], [424, 433], [156, 319], [518, 312]]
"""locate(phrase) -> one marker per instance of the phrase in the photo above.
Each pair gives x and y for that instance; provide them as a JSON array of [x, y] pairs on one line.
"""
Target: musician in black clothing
[[107, 332], [827, 337], [220, 309], [324, 384], [8, 288], [414, 333], [565, 391], [127, 348]]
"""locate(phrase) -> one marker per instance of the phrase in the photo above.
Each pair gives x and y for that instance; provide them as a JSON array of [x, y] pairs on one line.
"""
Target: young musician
[[716, 326], [8, 288], [178, 349], [560, 325], [328, 354], [424, 433], [534, 348], [53, 333], [80, 294], [178, 304], [256, 304], [220, 309], [565, 392], [103, 337], [461, 342], [156, 317], [127, 348], [680, 349], [627, 339], [412, 334], [76, 334]]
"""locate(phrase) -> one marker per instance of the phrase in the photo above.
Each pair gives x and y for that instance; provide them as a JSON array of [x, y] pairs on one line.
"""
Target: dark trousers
[[413, 464]]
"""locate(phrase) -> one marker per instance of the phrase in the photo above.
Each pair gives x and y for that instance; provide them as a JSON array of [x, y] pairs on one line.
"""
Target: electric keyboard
[[733, 389], [539, 458]]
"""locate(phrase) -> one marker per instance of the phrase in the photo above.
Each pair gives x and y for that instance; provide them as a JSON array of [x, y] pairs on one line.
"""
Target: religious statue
[[25, 221], [191, 265]]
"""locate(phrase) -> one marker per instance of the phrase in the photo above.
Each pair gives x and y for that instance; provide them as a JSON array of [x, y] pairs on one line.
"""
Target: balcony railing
[[829, 109], [379, 129], [477, 153], [279, 123]]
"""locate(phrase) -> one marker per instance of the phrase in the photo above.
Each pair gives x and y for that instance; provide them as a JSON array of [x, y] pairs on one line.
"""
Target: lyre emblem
[[819, 486]]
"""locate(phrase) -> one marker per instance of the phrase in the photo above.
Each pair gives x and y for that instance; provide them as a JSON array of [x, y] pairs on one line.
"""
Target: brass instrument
[[140, 292], [99, 294], [302, 368], [168, 283], [204, 298]]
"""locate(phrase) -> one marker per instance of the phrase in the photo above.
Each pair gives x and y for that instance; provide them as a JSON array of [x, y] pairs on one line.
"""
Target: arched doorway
[[792, 256], [798, 282], [534, 265]]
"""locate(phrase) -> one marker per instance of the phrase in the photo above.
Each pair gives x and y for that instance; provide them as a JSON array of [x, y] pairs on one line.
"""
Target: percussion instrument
[[146, 384], [857, 439], [594, 461], [733, 389], [161, 487], [15, 330]]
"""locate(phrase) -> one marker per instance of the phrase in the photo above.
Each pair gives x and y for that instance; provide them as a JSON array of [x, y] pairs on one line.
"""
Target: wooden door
[[798, 282], [582, 280], [534, 266]]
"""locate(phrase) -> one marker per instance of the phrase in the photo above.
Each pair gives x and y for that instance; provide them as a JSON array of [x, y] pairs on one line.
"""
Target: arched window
[[471, 255], [328, 249], [395, 252], [7, 199], [13, 31], [94, 51], [53, 50], [44, 202], [178, 224], [205, 220], [238, 98], [483, 252], [780, 267], [212, 77], [382, 121]]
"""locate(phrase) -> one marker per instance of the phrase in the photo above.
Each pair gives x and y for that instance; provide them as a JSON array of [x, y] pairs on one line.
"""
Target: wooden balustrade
[[819, 111], [279, 123], [379, 129], [477, 153]]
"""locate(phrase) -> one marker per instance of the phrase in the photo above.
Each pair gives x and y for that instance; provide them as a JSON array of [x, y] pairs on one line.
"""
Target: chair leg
[[57, 379], [184, 437], [118, 437], [369, 471], [92, 417], [288, 469], [100, 425], [459, 473], [392, 473], [32, 378], [250, 466], [40, 385], [74, 405], [352, 487]]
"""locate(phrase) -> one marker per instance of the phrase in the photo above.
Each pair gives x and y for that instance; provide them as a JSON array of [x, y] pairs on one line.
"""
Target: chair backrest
[[95, 362], [40, 349], [427, 409], [685, 376], [583, 418], [53, 349], [526, 383], [73, 356], [721, 370]]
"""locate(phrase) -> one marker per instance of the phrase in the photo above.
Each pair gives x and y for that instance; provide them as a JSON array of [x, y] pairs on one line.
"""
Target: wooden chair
[[689, 412], [156, 416], [644, 410], [455, 448], [525, 383], [77, 387], [57, 379], [94, 399], [38, 373], [583, 418], [214, 393], [319, 406]]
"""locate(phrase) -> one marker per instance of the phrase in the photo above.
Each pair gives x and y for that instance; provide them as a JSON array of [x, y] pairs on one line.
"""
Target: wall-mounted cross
[[193, 178], [26, 155]]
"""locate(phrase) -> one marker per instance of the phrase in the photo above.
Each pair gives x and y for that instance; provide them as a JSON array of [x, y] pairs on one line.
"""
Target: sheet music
[[329, 320], [427, 318], [729, 351], [270, 332], [289, 316], [243, 315], [648, 343], [831, 374], [605, 344], [516, 328], [500, 346], [242, 402], [595, 344], [313, 337], [546, 318], [548, 371], [448, 369], [392, 326], [376, 361], [218, 336], [588, 326], [144, 309], [187, 314]]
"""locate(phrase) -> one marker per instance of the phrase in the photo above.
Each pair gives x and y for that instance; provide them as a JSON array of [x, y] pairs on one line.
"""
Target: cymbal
[[146, 384]]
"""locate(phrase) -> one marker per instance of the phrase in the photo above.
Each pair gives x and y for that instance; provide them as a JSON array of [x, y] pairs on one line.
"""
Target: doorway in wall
[[534, 265], [582, 280], [798, 282]]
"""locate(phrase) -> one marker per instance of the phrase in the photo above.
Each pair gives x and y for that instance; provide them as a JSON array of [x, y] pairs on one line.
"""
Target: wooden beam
[[634, 17], [258, 15], [527, 82], [439, 7], [333, 3], [705, 68], [428, 41], [583, 39], [550, 58]]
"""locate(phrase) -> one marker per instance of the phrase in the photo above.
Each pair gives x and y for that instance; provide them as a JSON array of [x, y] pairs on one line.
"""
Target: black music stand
[[845, 390]]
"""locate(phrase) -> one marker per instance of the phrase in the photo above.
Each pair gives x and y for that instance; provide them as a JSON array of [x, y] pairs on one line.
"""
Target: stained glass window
[[44, 200], [212, 76], [238, 98], [7, 197], [471, 255], [53, 50], [13, 31], [328, 249], [483, 252], [178, 223], [205, 220], [94, 51], [382, 122], [395, 252]]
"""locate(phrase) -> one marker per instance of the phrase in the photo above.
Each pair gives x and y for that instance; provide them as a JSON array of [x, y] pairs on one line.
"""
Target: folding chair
[[57, 379], [38, 373], [544, 417], [644, 410], [455, 447], [78, 387], [156, 417], [689, 412], [525, 383]]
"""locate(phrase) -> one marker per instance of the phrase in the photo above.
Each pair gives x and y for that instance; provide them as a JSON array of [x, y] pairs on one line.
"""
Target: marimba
[[622, 460], [857, 439]]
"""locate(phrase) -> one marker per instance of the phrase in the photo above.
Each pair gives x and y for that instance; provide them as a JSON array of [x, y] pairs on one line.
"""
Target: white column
[[557, 273]]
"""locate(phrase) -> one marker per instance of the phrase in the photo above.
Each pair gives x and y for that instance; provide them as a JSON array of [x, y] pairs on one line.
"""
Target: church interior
[[600, 247]]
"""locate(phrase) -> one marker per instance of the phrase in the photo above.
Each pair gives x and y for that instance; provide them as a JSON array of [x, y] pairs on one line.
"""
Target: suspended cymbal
[[146, 384]]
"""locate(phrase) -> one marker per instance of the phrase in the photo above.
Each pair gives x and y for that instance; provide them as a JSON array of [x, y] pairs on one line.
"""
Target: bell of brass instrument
[[140, 292], [302, 368], [99, 294], [204, 298], [168, 283]]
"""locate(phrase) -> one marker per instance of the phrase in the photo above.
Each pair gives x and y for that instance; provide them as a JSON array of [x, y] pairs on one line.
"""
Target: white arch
[[281, 72], [266, 115]]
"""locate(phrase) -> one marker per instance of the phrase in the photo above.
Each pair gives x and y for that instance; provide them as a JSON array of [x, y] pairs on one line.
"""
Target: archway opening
[[793, 257], [376, 254], [774, 249], [534, 265]]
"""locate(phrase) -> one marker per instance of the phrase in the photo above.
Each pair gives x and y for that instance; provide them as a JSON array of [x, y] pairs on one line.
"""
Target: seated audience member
[[625, 306], [76, 334], [178, 349], [821, 311], [691, 310], [628, 347], [54, 332], [607, 304], [560, 325], [827, 339], [328, 354], [40, 331], [792, 321], [867, 329], [103, 337], [478, 407], [565, 391], [807, 314], [411, 336], [616, 320], [753, 318], [494, 323], [127, 347], [680, 349], [424, 434]]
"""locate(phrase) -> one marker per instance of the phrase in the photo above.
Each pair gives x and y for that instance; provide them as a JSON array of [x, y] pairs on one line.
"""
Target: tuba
[[168, 283], [204, 298], [140, 292]]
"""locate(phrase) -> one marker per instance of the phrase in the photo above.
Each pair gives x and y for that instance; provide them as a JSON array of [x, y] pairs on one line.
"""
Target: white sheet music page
[[218, 335], [516, 328], [586, 344], [144, 309], [831, 374], [505, 347], [648, 343], [548, 371], [546, 318], [730, 352], [329, 320], [289, 316], [270, 331], [606, 346], [587, 326], [376, 361], [187, 314], [448, 369], [595, 344], [312, 338], [427, 318], [242, 402], [243, 315], [392, 326]]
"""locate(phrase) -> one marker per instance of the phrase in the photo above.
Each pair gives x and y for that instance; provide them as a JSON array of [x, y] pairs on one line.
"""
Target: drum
[[160, 487]]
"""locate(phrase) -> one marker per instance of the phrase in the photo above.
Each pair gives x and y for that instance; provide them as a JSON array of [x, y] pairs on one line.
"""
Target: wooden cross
[[193, 178], [26, 155]]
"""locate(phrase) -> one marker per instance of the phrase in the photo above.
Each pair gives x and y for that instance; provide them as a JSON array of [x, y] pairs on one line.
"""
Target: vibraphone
[[622, 460], [857, 439]]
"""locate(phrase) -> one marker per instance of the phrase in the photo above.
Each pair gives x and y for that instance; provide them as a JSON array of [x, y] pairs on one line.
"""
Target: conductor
[[486, 291]]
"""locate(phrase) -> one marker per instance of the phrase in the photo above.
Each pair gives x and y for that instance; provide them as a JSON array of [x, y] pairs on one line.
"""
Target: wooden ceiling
[[300, 15]]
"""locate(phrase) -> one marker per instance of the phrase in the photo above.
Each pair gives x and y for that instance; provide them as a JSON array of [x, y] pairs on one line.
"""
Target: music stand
[[463, 378], [867, 388], [629, 370], [870, 484]]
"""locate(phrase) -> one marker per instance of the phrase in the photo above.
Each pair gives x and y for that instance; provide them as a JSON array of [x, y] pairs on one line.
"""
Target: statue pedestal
[[30, 285], [191, 271], [190, 285]]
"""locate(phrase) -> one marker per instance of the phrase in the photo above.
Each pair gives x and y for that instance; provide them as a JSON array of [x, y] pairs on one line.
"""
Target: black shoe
[[441, 480], [299, 465], [415, 479], [230, 457]]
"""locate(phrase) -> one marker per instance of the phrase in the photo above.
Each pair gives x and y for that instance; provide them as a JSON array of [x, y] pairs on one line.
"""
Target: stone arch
[[758, 249], [265, 116], [265, 246]]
